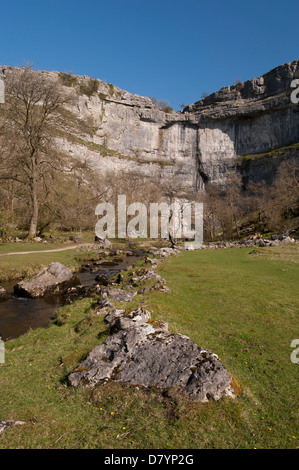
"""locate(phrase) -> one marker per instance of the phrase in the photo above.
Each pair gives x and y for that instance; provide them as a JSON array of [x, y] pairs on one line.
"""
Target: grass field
[[16, 266], [242, 306]]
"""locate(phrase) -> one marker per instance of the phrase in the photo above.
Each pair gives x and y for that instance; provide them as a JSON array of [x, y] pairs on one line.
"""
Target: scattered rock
[[144, 353], [55, 279], [75, 239], [287, 240], [275, 243], [190, 248], [108, 263], [112, 314], [104, 302], [122, 319], [161, 287], [101, 279], [118, 295], [3, 293], [257, 240], [103, 242], [143, 290], [129, 253], [145, 274], [260, 242], [76, 292], [164, 252]]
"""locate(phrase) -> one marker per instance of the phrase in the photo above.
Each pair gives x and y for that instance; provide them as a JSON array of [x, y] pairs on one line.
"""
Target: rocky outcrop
[[54, 279], [275, 240], [145, 355]]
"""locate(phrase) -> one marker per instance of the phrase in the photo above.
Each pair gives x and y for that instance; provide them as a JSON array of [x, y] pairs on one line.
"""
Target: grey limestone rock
[[3, 293], [54, 279], [148, 356], [118, 295], [122, 319], [5, 424]]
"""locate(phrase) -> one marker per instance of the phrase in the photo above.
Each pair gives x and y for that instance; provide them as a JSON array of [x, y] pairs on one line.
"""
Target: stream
[[18, 314]]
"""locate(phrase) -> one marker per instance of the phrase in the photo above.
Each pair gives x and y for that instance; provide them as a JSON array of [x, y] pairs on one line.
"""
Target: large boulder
[[150, 356], [54, 279]]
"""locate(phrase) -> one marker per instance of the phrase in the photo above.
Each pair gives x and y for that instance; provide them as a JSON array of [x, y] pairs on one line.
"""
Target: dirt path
[[72, 247]]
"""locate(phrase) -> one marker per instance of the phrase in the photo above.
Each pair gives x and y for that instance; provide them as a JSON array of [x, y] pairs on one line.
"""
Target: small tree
[[28, 155], [164, 105]]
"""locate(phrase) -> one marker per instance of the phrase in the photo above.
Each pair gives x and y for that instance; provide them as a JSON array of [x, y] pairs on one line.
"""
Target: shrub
[[111, 89], [67, 79], [90, 87]]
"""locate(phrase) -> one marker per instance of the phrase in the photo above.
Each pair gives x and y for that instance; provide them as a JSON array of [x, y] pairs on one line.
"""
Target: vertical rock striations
[[238, 128]]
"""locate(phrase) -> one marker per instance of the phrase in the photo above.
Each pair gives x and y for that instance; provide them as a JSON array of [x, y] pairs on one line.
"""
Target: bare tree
[[28, 155]]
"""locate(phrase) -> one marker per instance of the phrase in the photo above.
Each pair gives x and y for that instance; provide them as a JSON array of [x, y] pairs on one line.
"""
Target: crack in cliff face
[[201, 178]]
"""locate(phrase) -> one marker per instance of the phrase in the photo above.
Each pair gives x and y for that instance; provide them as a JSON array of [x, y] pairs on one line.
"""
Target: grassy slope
[[243, 307]]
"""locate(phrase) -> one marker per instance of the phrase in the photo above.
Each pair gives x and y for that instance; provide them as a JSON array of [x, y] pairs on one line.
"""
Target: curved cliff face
[[227, 131], [208, 139]]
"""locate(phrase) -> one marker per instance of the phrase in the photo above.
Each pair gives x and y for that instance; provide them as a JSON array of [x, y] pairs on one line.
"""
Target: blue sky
[[174, 50]]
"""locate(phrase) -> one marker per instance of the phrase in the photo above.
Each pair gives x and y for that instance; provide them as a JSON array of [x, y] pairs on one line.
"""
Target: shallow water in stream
[[18, 315]]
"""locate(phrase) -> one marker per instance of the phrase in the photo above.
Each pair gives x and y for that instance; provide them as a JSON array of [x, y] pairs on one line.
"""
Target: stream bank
[[19, 314]]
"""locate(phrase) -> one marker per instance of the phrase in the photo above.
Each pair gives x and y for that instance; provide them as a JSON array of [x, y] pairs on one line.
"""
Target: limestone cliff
[[239, 128]]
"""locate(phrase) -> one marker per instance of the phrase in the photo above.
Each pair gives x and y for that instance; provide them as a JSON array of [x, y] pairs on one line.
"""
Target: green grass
[[271, 153], [242, 306], [14, 266]]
